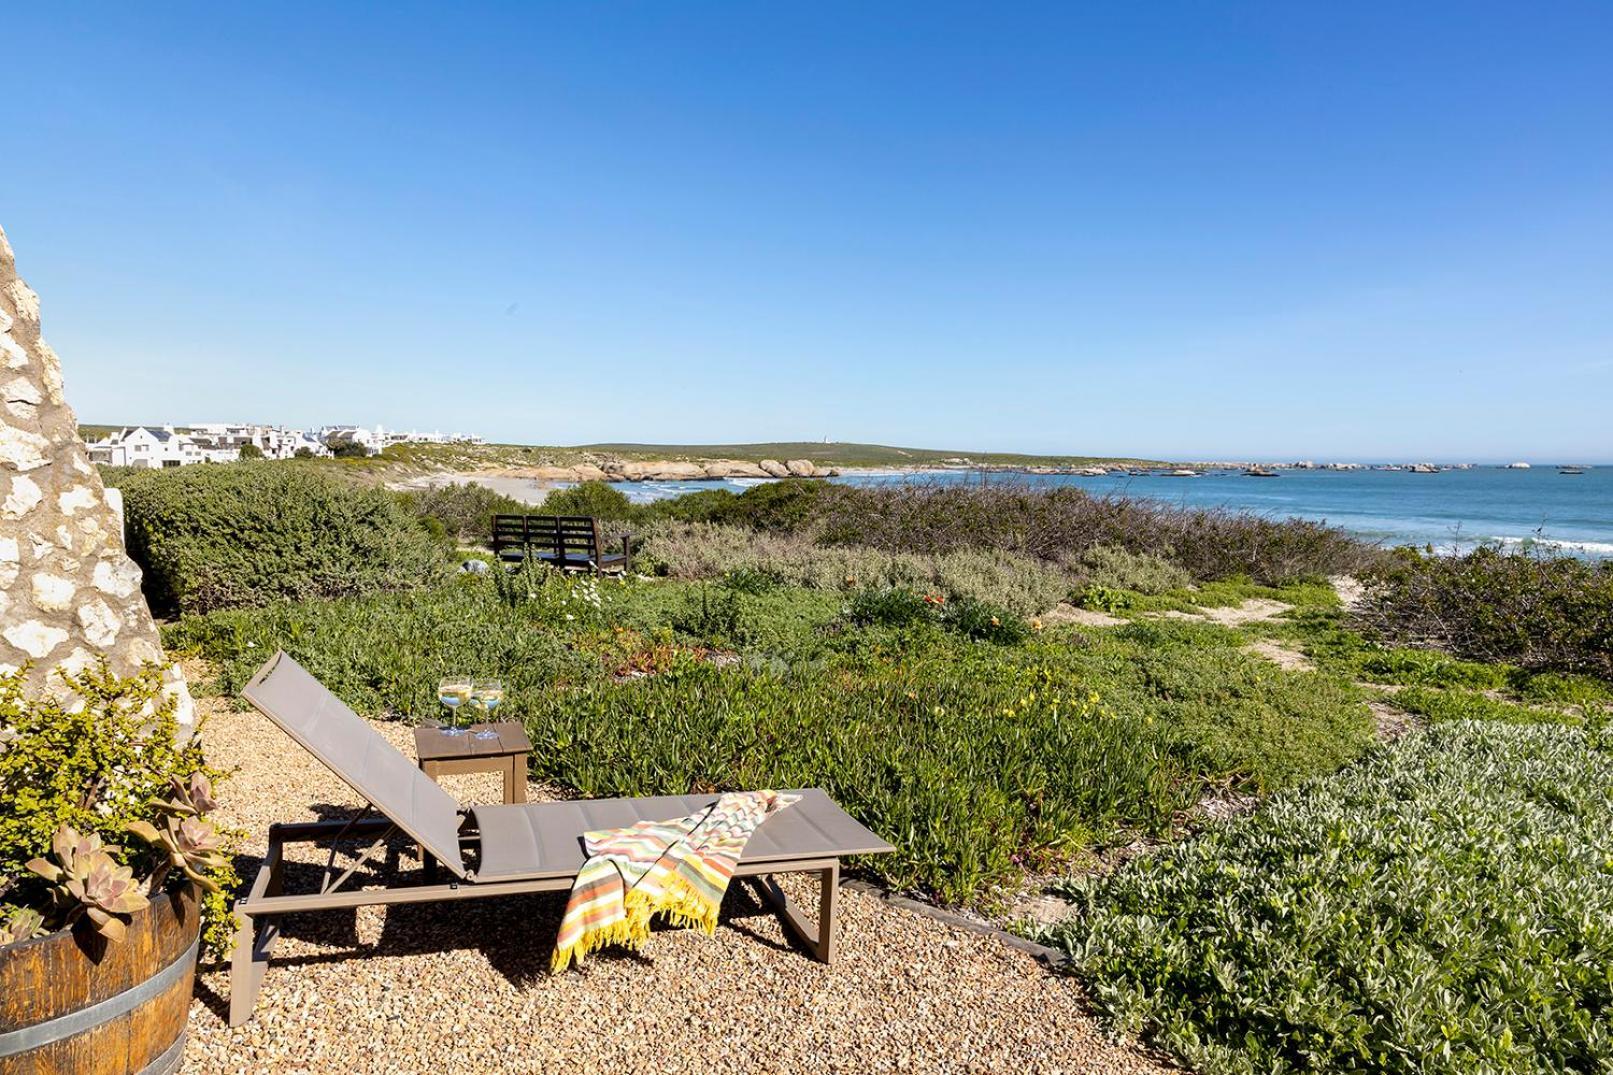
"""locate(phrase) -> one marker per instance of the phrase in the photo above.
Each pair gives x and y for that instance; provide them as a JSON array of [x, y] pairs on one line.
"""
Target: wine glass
[[453, 692], [489, 695]]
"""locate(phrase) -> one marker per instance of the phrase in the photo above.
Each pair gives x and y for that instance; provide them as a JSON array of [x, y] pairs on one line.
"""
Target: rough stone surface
[[774, 469], [68, 592]]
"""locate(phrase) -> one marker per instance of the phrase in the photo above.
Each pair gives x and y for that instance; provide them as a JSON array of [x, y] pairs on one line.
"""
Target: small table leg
[[515, 779]]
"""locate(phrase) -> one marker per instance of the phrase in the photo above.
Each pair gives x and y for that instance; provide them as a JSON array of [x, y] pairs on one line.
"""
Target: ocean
[[1453, 509]]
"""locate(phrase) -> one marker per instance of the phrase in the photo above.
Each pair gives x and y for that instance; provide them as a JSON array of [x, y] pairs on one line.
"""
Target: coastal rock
[[587, 472], [801, 468], [676, 472], [733, 468], [63, 537], [774, 469]]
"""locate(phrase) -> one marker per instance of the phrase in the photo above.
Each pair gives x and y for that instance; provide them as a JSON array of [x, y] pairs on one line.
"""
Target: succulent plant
[[22, 924], [88, 882], [192, 846], [191, 799]]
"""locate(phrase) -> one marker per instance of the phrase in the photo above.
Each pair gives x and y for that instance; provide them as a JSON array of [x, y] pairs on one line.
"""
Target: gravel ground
[[466, 988]]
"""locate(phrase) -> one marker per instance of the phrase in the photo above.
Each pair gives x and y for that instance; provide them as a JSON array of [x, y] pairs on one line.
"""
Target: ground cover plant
[[211, 537], [980, 749], [1442, 906]]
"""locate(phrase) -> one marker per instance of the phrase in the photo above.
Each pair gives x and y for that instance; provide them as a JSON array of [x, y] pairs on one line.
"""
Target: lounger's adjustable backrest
[[313, 716]]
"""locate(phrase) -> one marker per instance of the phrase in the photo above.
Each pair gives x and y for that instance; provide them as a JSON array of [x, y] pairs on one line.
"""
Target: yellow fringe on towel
[[678, 903]]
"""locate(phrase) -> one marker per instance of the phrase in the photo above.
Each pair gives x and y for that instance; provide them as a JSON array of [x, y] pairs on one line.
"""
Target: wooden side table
[[504, 753]]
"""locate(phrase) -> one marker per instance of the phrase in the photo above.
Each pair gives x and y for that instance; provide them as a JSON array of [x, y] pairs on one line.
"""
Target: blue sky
[[1176, 230]]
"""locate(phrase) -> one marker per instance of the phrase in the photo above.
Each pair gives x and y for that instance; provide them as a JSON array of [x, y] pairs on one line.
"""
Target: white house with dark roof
[[148, 447]]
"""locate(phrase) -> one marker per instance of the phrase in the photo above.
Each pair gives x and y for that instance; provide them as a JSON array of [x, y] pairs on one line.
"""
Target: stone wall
[[67, 590]]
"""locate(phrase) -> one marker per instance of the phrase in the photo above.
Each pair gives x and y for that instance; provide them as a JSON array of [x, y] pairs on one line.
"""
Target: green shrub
[[1061, 524], [1442, 907], [1541, 613], [984, 622], [1111, 567], [463, 511], [892, 606], [702, 506], [596, 499], [792, 504], [250, 533], [97, 767]]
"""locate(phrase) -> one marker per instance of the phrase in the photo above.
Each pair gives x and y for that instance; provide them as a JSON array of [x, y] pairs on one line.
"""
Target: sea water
[[1451, 509]]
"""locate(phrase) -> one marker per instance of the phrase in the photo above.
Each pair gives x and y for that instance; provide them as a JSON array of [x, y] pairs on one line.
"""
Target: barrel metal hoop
[[169, 1061], [65, 1026]]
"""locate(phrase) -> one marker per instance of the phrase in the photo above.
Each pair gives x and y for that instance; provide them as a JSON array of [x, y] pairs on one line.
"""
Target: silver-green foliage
[[1445, 906], [1020, 584]]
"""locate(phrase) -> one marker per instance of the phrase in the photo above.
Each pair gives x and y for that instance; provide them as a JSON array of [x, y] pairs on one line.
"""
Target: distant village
[[157, 447]]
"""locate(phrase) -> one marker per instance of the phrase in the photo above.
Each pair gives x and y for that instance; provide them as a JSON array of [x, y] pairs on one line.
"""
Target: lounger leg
[[248, 963], [820, 940], [254, 940]]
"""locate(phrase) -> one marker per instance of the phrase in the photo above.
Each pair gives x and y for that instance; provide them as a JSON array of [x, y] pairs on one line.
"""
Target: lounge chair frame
[[516, 851], [259, 911]]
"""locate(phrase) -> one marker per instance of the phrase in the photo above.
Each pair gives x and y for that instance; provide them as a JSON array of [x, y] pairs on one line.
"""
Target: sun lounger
[[498, 850]]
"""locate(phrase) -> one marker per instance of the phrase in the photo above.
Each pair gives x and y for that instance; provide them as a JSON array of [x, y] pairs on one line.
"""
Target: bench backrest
[[571, 536]]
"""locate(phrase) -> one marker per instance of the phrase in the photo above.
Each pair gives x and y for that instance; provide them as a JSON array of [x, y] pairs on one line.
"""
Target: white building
[[147, 447], [224, 440]]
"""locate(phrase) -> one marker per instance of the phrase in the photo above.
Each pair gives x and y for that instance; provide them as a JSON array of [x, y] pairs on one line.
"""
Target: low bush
[[1539, 612], [212, 537], [596, 499], [1062, 524], [1111, 567], [464, 512], [1022, 585], [1442, 907]]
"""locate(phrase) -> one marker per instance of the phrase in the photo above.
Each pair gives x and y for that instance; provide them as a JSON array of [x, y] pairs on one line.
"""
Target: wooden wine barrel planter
[[71, 1002]]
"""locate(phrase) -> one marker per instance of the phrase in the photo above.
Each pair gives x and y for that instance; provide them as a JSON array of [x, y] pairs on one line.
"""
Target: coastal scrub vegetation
[[461, 511], [979, 748], [1537, 612], [910, 650], [1442, 906], [250, 533]]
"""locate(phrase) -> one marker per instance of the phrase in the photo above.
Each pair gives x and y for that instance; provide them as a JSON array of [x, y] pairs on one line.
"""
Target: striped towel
[[677, 869]]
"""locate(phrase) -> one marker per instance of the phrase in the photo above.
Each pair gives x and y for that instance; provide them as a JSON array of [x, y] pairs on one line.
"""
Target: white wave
[[1595, 548]]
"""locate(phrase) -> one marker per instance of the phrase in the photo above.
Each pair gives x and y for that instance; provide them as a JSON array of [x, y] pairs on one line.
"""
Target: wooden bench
[[569, 542]]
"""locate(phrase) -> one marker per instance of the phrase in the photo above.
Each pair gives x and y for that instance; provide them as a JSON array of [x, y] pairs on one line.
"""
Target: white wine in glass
[[453, 692], [489, 695]]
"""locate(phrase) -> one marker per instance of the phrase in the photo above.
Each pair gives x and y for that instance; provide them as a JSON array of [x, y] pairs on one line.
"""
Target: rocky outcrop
[[67, 590], [616, 470], [733, 468]]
